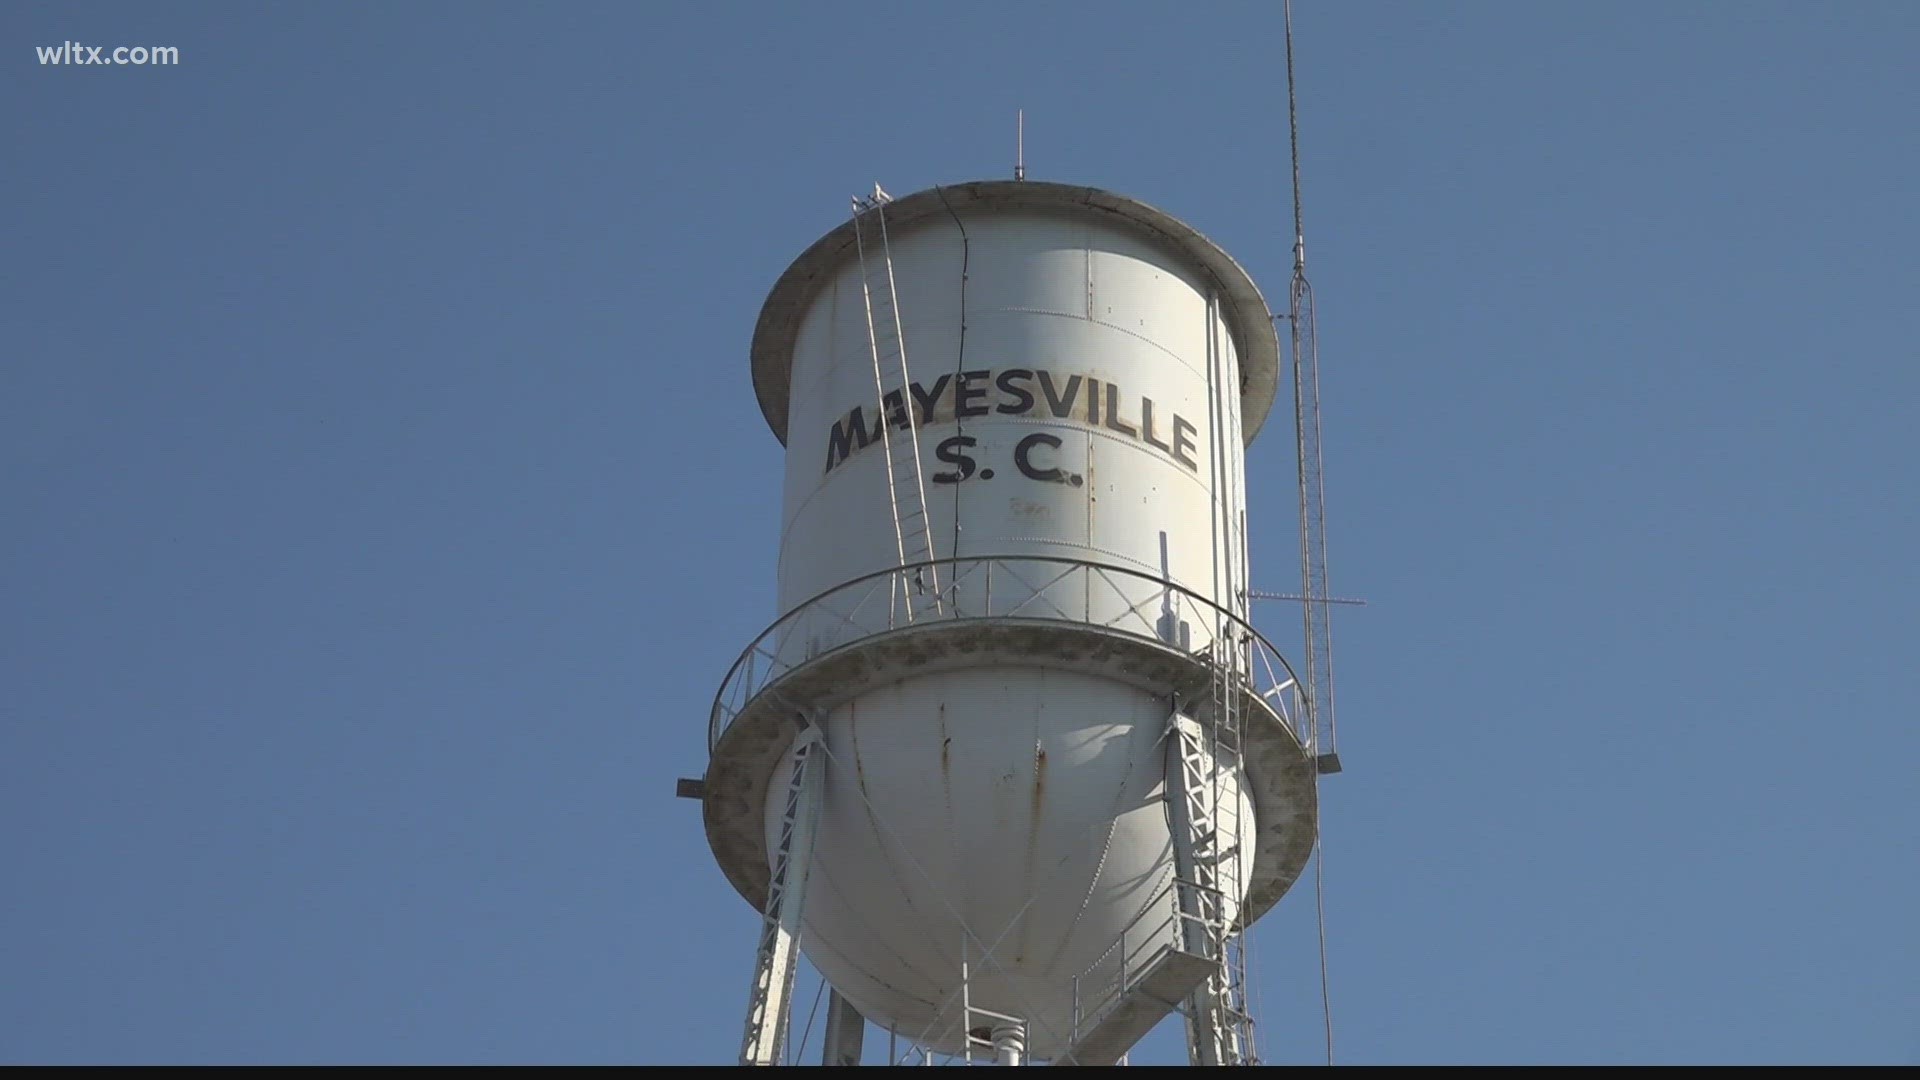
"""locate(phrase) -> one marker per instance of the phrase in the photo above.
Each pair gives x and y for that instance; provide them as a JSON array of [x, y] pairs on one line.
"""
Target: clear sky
[[385, 496]]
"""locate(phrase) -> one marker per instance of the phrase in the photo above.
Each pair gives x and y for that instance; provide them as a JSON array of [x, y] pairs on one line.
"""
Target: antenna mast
[[1316, 598], [1020, 144]]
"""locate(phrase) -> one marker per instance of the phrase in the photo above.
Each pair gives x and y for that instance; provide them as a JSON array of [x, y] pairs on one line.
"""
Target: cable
[[799, 1052], [960, 362], [1320, 913]]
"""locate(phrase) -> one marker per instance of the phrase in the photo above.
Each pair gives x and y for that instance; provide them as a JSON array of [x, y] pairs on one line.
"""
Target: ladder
[[918, 590]]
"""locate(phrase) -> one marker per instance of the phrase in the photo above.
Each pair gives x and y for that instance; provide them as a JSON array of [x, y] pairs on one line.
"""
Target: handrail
[[969, 595]]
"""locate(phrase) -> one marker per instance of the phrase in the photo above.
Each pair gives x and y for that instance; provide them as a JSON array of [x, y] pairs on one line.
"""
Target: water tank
[[1084, 372]]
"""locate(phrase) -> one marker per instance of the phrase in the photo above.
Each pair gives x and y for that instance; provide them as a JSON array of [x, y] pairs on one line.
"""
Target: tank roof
[[1246, 314]]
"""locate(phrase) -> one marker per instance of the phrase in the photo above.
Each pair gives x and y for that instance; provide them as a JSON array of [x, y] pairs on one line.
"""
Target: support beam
[[846, 1031], [1200, 908], [769, 1005]]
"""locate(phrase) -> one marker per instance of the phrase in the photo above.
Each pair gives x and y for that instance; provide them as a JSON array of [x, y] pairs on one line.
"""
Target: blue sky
[[385, 496]]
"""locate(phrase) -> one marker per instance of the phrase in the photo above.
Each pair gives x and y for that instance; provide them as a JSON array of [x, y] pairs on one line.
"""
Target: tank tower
[[1012, 766]]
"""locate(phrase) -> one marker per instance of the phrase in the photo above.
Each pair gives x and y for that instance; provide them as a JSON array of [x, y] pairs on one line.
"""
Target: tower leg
[[846, 1030], [1211, 1039], [770, 1003]]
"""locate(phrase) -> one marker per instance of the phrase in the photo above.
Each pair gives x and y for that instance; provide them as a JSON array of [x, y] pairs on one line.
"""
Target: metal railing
[[1023, 587]]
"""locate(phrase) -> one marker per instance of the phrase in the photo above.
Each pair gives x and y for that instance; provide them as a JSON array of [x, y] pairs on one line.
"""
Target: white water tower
[[1012, 767]]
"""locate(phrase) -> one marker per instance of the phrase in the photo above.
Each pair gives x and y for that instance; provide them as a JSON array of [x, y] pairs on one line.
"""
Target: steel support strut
[[1212, 1034], [769, 1004], [846, 1031]]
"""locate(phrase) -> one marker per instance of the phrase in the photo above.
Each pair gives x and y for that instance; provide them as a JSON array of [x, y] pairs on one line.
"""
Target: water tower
[[1012, 766]]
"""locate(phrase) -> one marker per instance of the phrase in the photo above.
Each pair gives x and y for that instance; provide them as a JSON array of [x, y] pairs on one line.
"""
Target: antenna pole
[[1316, 597], [1020, 144]]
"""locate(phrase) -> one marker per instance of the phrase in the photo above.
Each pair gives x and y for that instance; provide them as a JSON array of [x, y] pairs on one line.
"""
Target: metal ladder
[[918, 591], [1004, 1032]]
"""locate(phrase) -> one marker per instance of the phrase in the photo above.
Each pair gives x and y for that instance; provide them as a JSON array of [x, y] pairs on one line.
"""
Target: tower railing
[[1071, 593]]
